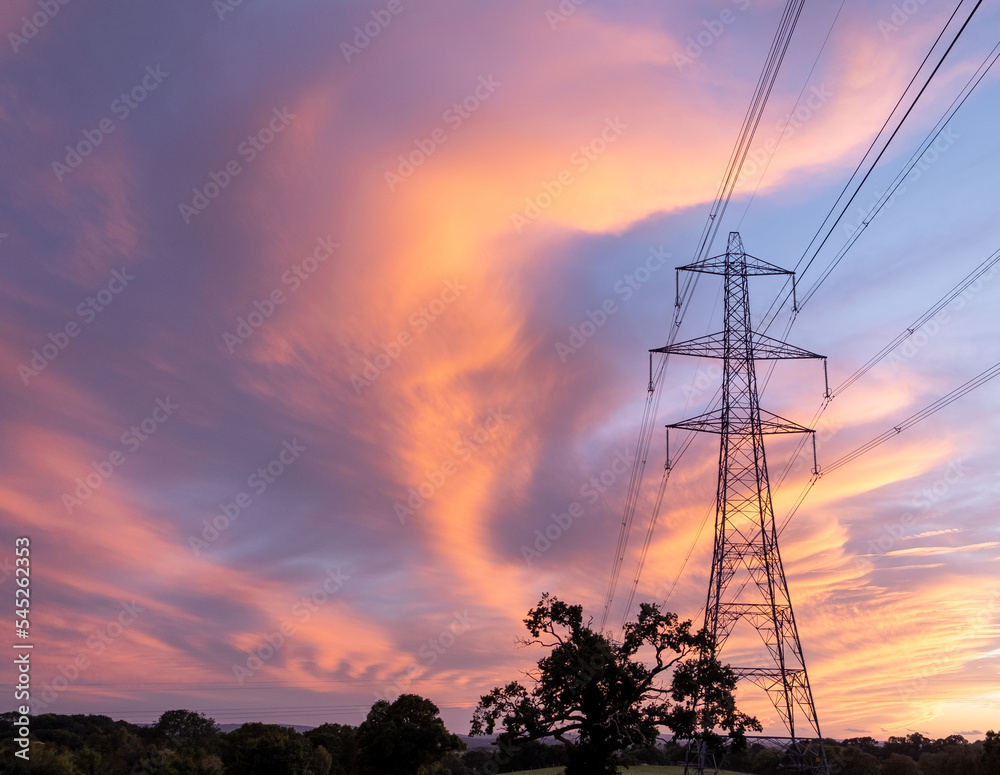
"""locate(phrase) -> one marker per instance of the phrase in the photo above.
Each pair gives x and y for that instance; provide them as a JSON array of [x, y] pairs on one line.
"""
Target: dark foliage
[[403, 736], [267, 749], [341, 741], [187, 743], [598, 698]]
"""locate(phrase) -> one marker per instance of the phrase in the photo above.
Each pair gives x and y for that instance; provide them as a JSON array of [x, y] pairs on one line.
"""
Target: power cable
[[798, 99], [956, 291], [931, 409], [861, 164], [765, 83]]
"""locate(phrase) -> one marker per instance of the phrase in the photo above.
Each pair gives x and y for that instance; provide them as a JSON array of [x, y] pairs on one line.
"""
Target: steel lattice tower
[[748, 581]]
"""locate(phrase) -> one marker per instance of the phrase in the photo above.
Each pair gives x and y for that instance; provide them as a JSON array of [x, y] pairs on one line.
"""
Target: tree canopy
[[272, 749], [186, 726], [597, 696], [403, 736]]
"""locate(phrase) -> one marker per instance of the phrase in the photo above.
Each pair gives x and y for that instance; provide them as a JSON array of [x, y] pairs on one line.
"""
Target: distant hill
[[483, 742], [300, 728]]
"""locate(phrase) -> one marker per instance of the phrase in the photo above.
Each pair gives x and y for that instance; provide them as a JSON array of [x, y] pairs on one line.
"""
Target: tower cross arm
[[709, 346], [771, 423], [721, 264], [712, 422], [765, 348], [713, 346]]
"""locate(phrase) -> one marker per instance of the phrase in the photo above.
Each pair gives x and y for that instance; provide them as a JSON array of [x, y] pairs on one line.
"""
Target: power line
[[773, 311], [895, 131], [714, 223], [690, 436], [798, 99], [957, 290], [751, 121], [941, 124], [883, 200], [931, 409], [923, 414], [775, 57]]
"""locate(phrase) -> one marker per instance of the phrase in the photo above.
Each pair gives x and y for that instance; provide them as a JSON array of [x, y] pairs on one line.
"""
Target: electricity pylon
[[748, 581]]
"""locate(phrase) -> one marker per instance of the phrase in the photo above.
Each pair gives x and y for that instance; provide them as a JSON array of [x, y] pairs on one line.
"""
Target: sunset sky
[[289, 371]]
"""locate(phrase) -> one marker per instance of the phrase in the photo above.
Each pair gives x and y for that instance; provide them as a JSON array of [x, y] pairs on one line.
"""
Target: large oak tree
[[599, 697]]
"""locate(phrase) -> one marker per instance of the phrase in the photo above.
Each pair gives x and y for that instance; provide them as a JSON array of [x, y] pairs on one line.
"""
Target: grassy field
[[642, 769]]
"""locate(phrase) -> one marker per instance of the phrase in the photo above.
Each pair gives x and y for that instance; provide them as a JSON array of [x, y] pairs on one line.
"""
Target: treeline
[[910, 755], [406, 737]]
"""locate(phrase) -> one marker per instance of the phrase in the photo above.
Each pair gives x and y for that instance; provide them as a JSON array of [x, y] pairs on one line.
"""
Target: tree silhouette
[[269, 749], [186, 727], [598, 698], [403, 736]]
